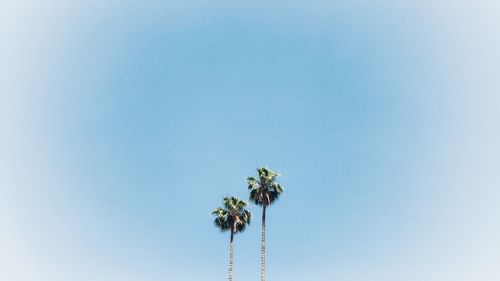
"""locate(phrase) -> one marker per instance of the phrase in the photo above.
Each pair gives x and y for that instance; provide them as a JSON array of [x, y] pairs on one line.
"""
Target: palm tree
[[233, 217], [264, 191]]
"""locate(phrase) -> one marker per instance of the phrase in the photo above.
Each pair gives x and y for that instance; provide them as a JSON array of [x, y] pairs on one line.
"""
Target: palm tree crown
[[264, 190], [233, 216]]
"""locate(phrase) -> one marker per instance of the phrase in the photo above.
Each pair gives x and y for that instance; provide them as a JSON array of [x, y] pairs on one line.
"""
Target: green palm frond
[[233, 215], [264, 190]]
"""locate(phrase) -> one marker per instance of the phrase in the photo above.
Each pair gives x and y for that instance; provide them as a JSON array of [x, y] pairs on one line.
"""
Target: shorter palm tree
[[235, 218]]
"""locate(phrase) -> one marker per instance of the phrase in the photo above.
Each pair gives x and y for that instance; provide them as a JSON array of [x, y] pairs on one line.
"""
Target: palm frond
[[266, 190], [233, 215]]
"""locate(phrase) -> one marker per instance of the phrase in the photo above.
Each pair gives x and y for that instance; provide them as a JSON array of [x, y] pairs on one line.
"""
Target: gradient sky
[[124, 123]]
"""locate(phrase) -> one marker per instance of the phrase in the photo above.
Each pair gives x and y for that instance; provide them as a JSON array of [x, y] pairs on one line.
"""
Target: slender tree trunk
[[231, 249], [263, 246]]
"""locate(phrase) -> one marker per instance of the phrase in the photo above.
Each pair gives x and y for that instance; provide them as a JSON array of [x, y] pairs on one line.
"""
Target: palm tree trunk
[[231, 249], [263, 246]]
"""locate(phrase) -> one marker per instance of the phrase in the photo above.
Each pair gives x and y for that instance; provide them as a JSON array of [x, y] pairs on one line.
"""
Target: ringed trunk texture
[[263, 246], [231, 249]]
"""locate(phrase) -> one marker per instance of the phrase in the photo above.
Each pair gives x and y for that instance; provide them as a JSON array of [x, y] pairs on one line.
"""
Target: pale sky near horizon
[[124, 123]]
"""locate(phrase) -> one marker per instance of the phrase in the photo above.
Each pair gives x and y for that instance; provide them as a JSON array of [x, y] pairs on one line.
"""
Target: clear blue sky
[[124, 123]]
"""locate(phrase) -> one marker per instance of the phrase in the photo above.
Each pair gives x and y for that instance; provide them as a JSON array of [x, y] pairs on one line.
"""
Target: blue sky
[[124, 123]]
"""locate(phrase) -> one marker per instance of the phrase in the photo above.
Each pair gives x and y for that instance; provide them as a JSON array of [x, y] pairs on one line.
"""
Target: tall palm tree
[[264, 191], [233, 217]]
